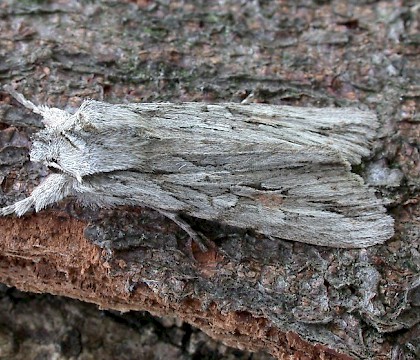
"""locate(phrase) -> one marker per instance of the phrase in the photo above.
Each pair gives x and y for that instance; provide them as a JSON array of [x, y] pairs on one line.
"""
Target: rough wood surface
[[290, 299]]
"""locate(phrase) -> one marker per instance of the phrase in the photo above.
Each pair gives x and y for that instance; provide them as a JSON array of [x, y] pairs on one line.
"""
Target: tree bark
[[290, 299]]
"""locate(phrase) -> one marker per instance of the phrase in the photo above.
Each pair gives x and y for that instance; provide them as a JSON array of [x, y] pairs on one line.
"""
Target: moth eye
[[53, 169], [53, 166]]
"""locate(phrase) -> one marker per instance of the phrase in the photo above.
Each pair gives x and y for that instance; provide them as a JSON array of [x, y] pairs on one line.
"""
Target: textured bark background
[[289, 299]]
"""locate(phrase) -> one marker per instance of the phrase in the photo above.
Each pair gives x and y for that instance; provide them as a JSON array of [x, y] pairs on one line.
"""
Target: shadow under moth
[[282, 171]]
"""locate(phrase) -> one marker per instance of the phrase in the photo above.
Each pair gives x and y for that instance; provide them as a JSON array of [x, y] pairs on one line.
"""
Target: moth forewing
[[282, 171]]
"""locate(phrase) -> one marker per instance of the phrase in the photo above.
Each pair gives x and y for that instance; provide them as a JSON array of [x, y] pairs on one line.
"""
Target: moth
[[279, 170]]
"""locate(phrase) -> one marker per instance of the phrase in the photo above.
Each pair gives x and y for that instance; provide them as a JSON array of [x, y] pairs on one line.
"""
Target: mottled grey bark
[[250, 291]]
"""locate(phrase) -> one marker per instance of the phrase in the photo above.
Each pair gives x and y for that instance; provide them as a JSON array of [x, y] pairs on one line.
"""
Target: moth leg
[[21, 99], [54, 188], [199, 239], [51, 116], [19, 208]]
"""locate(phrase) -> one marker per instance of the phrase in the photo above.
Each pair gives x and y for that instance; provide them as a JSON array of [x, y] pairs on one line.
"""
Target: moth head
[[57, 150], [53, 117]]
